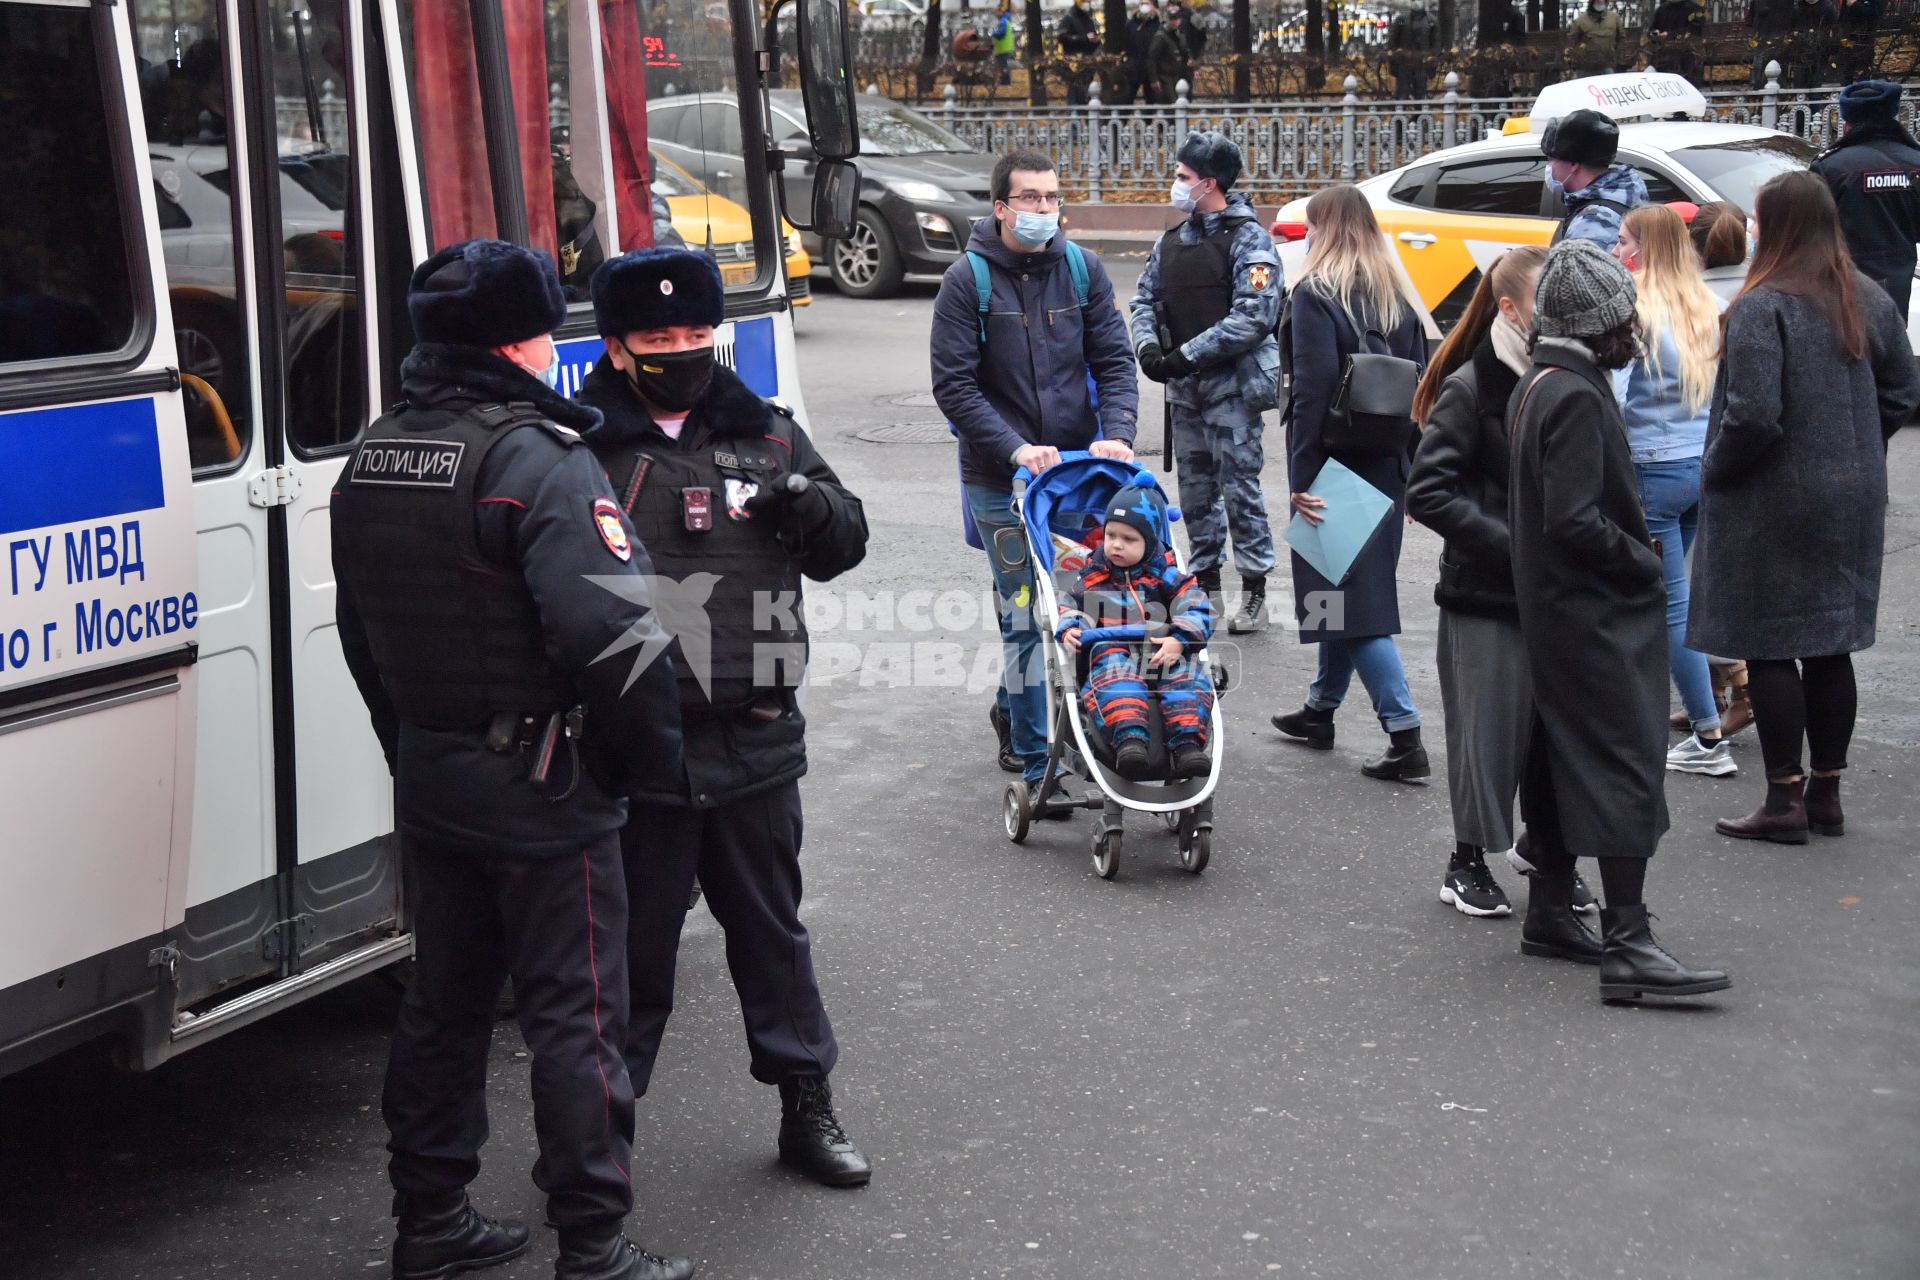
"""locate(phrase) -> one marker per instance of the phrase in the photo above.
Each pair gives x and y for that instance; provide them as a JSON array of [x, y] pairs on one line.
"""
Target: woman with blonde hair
[[1349, 300], [1664, 397], [1458, 489]]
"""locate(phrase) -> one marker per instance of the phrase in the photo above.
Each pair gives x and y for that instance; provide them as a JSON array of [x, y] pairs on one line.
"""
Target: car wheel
[[866, 264]]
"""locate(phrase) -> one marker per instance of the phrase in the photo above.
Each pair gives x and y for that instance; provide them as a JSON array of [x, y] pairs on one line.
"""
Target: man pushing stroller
[[1130, 580]]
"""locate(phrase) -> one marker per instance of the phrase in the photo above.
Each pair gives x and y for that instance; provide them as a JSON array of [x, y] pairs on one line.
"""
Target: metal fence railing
[[1293, 148]]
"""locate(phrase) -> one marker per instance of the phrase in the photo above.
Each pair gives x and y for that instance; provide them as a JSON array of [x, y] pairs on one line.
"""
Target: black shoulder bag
[[1372, 411]]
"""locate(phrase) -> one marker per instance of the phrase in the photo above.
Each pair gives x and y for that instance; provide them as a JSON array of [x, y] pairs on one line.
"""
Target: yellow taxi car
[[705, 219], [1450, 214]]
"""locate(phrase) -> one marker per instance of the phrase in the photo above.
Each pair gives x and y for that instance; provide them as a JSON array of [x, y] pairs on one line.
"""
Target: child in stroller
[[1132, 580]]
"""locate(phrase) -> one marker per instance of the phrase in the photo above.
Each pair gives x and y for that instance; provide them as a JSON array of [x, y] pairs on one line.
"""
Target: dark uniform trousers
[[557, 925], [747, 855]]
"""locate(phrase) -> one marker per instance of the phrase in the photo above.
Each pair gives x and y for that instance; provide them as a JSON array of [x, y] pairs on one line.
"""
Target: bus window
[[323, 347], [558, 128], [183, 86], [66, 285]]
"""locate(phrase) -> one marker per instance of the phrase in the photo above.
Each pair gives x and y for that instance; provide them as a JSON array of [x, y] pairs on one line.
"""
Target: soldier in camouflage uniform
[[1203, 324], [1580, 150]]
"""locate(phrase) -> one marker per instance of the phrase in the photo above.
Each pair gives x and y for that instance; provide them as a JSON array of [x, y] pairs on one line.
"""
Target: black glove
[[1176, 365], [791, 495], [1153, 362]]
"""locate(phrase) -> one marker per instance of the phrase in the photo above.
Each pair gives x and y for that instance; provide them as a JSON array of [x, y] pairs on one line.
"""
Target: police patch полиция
[[606, 517]]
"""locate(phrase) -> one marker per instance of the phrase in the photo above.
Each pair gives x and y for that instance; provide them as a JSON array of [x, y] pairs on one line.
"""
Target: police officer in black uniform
[[1874, 174], [734, 506], [483, 570]]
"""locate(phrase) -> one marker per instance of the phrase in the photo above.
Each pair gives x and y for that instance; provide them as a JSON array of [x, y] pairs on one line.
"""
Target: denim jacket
[[1660, 426]]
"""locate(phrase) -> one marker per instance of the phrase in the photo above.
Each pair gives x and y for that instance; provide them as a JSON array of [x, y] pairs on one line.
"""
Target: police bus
[[211, 210]]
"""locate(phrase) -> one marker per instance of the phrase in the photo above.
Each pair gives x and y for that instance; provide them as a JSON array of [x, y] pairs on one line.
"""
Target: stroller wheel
[[1172, 818], [1106, 854], [1017, 812], [1196, 852]]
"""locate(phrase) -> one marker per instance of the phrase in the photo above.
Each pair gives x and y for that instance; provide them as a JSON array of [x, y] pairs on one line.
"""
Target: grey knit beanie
[[1583, 292]]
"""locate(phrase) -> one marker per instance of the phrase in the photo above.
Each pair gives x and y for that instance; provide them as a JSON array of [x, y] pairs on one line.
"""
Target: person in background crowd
[[1592, 611], [1677, 29], [1412, 36], [1349, 289], [1580, 148], [1859, 29], [1458, 488], [1815, 25], [1874, 174], [1663, 398], [472, 623], [1772, 23], [1210, 293], [1004, 38], [1142, 27], [1817, 375], [1079, 40], [724, 487], [1169, 60], [1014, 385], [1601, 39], [1719, 233]]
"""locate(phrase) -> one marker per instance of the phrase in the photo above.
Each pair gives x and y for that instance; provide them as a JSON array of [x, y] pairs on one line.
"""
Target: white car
[[1450, 214]]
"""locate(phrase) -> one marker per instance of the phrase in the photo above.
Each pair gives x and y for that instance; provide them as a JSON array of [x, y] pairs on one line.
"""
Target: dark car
[[921, 187]]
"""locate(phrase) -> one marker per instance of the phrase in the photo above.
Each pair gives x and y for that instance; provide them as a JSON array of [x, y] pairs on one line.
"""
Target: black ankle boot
[[1405, 760], [1253, 608], [811, 1139], [1132, 760], [605, 1253], [1551, 928], [1635, 964], [1208, 581], [441, 1234], [1310, 724], [1824, 815]]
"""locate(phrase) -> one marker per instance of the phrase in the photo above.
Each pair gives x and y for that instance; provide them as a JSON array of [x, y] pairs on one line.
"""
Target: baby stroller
[[1074, 496]]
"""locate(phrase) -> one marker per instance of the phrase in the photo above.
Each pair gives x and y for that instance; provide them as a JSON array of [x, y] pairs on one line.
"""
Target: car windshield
[[1737, 170], [896, 131]]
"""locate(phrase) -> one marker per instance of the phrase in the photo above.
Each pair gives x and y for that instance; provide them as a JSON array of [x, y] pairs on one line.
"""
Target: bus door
[[98, 583], [249, 115]]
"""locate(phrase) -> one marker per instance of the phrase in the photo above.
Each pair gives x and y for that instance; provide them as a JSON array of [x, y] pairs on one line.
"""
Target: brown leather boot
[[1782, 818], [1738, 713], [1823, 806]]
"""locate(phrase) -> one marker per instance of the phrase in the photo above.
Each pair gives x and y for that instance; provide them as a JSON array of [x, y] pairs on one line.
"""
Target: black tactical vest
[[457, 638], [756, 641], [1196, 281]]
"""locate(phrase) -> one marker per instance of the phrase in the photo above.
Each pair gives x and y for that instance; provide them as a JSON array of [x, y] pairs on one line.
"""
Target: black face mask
[[672, 380]]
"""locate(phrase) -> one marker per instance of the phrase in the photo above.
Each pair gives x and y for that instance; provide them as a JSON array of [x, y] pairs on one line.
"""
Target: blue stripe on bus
[[79, 462]]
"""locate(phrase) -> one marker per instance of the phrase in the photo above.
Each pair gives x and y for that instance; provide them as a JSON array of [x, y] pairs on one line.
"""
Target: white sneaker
[[1695, 756]]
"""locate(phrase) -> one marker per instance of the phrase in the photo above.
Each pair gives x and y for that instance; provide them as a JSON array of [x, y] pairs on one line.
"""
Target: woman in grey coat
[[1786, 573], [1591, 592]]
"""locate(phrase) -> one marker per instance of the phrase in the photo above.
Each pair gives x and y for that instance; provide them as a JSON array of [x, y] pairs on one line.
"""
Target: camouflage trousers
[[1218, 453]]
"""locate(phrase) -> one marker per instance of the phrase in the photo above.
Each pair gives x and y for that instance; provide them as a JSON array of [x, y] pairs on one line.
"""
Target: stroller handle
[[1091, 636]]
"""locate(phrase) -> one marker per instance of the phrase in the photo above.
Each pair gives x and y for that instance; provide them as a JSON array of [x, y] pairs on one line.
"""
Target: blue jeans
[[1377, 659], [1670, 496], [1023, 677]]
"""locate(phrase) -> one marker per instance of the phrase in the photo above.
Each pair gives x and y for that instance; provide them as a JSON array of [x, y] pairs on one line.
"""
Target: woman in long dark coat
[[1592, 597], [1348, 288], [1818, 374]]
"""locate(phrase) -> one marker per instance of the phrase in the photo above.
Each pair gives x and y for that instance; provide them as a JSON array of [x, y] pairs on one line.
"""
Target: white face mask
[[1182, 196]]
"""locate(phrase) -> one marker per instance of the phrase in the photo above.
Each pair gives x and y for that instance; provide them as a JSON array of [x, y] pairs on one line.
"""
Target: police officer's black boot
[[441, 1234], [605, 1253], [811, 1139], [1253, 607], [1209, 582]]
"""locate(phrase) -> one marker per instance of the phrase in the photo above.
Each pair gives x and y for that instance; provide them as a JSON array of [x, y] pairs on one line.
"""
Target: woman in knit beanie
[[1592, 598]]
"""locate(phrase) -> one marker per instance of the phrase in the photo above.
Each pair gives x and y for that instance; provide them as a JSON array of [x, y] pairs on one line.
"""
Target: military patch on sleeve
[[1259, 275], [407, 464], [606, 517]]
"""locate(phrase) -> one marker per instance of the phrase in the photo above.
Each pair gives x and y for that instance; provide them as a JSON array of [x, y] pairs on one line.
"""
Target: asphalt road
[[1300, 1064]]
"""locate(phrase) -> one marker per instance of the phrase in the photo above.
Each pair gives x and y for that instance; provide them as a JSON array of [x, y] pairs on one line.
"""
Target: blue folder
[[1353, 514]]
